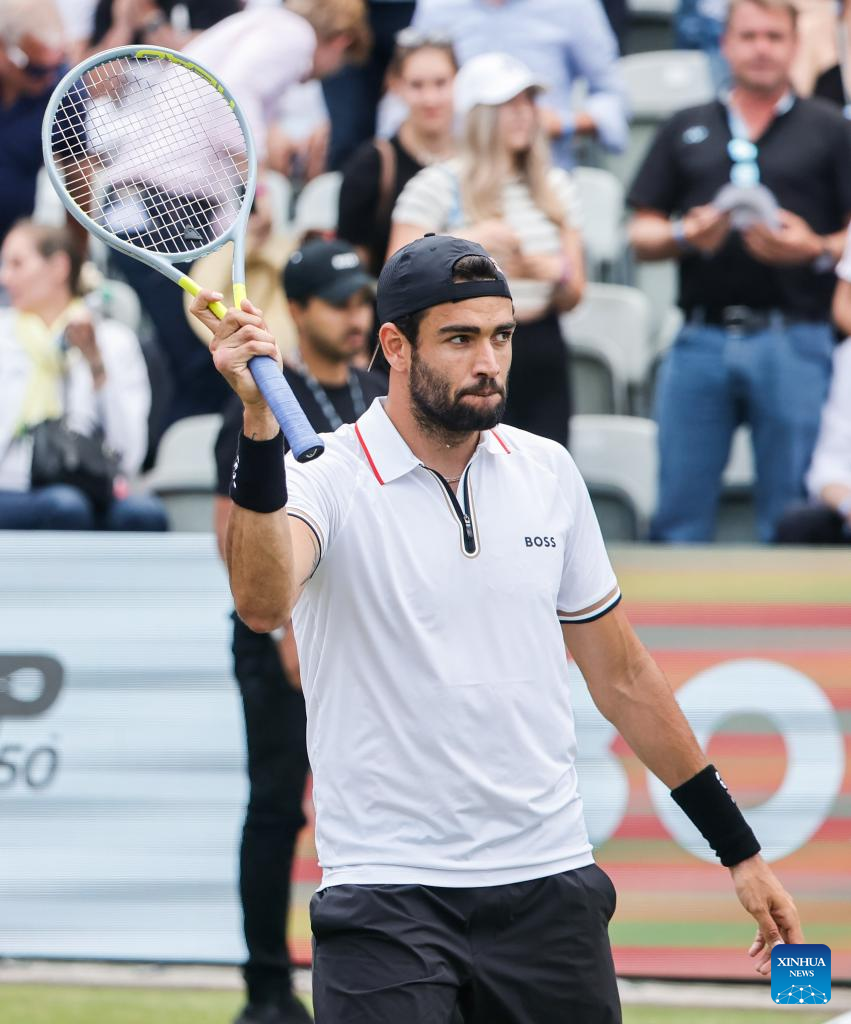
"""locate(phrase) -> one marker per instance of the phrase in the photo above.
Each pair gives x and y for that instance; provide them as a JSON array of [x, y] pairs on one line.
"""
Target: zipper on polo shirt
[[469, 540]]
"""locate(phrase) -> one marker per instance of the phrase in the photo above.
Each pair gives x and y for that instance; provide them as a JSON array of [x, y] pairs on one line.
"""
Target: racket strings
[[152, 152]]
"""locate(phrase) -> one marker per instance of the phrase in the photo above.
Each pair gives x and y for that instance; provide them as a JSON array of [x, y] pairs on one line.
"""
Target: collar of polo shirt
[[387, 452]]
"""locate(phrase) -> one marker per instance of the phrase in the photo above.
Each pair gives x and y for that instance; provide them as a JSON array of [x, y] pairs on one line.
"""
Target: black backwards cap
[[419, 276]]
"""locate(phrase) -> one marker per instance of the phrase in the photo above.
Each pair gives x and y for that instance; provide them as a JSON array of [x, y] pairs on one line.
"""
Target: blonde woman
[[503, 192]]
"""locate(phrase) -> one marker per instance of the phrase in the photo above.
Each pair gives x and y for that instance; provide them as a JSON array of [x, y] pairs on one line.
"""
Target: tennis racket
[[152, 155]]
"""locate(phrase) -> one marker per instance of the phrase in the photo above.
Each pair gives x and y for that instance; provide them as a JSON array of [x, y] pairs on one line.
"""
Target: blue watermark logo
[[800, 974]]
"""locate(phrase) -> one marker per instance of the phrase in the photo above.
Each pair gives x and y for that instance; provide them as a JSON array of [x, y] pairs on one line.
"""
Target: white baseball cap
[[491, 79]]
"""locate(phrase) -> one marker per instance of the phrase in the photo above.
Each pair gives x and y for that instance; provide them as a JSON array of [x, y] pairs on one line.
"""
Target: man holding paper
[[751, 193]]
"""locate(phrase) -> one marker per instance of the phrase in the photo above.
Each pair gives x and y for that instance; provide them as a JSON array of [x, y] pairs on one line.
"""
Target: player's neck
[[446, 452], [330, 373]]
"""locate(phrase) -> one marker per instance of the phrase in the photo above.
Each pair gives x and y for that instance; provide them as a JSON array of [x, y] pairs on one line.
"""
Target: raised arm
[[631, 691], [268, 556]]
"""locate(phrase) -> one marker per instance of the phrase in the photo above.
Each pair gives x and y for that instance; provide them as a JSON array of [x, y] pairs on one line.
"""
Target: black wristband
[[716, 815], [258, 482]]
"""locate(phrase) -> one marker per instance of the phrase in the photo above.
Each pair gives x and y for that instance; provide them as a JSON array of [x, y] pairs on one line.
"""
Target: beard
[[437, 410]]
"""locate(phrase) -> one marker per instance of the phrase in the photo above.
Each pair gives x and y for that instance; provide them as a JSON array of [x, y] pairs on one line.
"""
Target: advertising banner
[[121, 753]]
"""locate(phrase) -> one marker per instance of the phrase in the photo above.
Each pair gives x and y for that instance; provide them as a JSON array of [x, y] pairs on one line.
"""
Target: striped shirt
[[432, 200]]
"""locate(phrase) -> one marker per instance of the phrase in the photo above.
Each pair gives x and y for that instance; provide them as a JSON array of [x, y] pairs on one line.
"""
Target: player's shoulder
[[537, 454], [339, 465]]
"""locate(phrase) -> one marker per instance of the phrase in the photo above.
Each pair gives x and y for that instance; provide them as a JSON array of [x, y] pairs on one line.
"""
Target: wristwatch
[[825, 261], [678, 233]]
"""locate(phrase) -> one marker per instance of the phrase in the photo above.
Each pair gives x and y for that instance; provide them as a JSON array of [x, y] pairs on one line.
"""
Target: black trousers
[[277, 770], [812, 524], [352, 94], [527, 953], [539, 396]]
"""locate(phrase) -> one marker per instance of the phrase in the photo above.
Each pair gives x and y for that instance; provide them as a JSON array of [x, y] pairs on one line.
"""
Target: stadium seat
[[316, 208], [600, 196], [116, 300], [48, 208], [612, 324], [616, 456], [657, 84], [185, 472]]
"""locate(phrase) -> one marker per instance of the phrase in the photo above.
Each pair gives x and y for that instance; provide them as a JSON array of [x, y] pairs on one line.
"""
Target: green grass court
[[42, 1004]]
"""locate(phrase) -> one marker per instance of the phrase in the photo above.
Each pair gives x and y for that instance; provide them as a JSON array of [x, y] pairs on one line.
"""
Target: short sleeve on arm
[[427, 199], [656, 185], [564, 188], [320, 493], [587, 576]]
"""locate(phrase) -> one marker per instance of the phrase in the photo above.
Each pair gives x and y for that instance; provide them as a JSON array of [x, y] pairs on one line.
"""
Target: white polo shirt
[[439, 724]]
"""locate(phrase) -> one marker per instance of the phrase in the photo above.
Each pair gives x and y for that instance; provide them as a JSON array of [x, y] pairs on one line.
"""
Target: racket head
[[152, 154]]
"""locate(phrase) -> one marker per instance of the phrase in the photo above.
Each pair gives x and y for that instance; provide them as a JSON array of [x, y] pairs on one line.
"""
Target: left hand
[[794, 242], [80, 334], [765, 899]]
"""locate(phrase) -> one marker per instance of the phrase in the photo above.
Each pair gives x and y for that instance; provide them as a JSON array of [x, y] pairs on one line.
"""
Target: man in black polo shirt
[[331, 302], [751, 193]]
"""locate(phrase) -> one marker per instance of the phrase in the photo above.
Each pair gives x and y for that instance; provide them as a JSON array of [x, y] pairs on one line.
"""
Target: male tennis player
[[428, 558]]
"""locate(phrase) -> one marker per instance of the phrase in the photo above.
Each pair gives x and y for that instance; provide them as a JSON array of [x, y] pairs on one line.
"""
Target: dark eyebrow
[[472, 329]]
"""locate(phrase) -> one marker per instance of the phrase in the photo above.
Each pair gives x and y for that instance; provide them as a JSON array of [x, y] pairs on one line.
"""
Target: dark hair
[[50, 240], [467, 268]]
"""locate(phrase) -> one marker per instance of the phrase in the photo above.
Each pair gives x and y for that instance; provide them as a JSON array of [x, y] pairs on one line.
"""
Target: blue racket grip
[[303, 440]]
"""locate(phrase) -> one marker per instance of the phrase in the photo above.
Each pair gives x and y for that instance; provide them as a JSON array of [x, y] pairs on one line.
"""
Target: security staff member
[[331, 301], [755, 281], [457, 871]]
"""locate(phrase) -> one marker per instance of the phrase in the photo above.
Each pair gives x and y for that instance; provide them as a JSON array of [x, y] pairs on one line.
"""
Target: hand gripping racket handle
[[301, 437], [303, 440]]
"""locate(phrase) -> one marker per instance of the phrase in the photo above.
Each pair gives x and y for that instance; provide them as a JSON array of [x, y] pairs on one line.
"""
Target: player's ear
[[396, 347]]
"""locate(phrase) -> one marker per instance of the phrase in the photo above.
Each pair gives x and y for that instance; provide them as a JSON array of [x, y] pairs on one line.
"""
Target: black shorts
[[526, 953]]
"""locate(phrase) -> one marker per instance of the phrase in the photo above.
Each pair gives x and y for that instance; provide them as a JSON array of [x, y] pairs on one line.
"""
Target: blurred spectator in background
[[834, 82], [55, 364], [751, 193], [259, 53], [352, 94], [266, 253], [565, 41], [699, 25], [827, 519], [155, 22], [817, 43], [78, 22], [331, 300], [32, 56], [502, 192], [422, 74]]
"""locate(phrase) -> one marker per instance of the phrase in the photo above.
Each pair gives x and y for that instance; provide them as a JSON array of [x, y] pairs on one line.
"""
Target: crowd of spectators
[[469, 117]]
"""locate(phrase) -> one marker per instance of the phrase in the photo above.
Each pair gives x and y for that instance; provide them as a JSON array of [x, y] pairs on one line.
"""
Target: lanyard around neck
[[324, 402], [741, 149]]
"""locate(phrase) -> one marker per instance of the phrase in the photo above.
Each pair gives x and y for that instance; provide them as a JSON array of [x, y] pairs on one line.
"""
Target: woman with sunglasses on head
[[421, 74], [503, 192]]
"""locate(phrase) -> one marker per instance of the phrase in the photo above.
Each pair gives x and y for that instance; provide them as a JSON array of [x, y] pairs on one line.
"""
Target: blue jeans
[[66, 508], [712, 380]]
